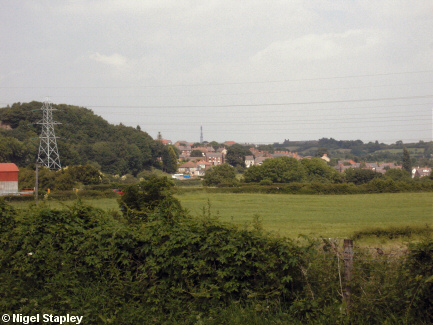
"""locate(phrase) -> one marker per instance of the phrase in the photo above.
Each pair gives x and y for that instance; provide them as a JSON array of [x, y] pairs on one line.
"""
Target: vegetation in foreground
[[153, 263]]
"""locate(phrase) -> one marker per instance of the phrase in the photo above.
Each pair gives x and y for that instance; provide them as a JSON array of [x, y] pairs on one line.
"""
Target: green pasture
[[317, 215], [412, 151], [313, 215]]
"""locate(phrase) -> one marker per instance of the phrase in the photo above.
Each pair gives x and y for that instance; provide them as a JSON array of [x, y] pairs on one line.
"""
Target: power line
[[245, 93], [267, 104], [328, 118], [242, 114], [289, 130], [221, 83], [302, 122]]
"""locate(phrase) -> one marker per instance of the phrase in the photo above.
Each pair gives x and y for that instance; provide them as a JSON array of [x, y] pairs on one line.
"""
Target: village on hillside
[[192, 164]]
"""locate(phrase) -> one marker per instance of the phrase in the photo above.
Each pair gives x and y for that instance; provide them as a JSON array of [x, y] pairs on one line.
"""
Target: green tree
[[219, 175], [169, 160], [64, 181], [253, 174], [236, 155], [141, 201], [397, 174], [360, 176], [266, 147], [196, 153], [407, 165], [321, 151], [319, 171], [214, 145], [278, 170], [87, 174]]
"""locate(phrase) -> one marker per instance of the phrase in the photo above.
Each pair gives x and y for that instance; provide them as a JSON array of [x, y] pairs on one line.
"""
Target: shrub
[[80, 260], [419, 273], [360, 176], [220, 174]]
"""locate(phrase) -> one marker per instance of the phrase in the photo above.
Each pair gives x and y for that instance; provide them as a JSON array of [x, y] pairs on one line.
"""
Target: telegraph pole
[[37, 183], [201, 134], [48, 155]]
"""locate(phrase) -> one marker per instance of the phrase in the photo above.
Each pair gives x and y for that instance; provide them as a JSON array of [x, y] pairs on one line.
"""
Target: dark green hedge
[[374, 186]]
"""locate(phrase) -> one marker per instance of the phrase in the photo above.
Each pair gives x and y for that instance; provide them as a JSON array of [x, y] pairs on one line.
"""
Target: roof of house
[[184, 148], [8, 167], [213, 154], [422, 171], [189, 164], [249, 157], [204, 149], [202, 162], [348, 161], [261, 159]]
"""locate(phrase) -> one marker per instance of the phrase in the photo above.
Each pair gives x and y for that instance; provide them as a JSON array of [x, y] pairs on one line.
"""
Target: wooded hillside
[[84, 138]]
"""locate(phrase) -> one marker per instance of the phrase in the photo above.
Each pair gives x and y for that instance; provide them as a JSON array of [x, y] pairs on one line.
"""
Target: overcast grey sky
[[248, 71]]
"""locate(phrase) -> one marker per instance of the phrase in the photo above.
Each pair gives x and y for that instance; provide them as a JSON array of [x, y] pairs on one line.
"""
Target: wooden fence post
[[348, 265]]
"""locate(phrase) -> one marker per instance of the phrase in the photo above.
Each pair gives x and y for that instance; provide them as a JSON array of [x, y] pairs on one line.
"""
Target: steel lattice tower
[[48, 155]]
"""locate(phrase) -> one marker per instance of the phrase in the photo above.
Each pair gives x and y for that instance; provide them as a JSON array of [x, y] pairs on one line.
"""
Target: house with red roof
[[8, 178], [421, 172], [166, 142], [188, 168], [202, 167]]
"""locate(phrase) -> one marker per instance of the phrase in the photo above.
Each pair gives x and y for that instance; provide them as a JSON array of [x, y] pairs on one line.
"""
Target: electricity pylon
[[48, 155]]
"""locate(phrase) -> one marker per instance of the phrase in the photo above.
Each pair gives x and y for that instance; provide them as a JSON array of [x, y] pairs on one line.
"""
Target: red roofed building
[[8, 178], [188, 167], [229, 143]]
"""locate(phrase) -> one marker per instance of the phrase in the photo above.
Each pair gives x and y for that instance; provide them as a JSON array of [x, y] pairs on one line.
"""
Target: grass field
[[314, 215], [318, 215]]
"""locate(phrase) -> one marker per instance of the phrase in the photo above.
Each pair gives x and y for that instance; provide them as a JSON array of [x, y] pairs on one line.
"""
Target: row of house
[[209, 154], [196, 166], [343, 165], [259, 157]]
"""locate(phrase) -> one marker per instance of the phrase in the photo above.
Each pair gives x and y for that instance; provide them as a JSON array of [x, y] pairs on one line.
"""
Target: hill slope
[[83, 138]]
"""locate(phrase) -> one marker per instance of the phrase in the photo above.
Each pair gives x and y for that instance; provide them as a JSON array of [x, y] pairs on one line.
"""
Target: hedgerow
[[376, 185]]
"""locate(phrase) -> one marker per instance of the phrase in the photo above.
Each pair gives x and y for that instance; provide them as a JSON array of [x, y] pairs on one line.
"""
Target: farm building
[[8, 178]]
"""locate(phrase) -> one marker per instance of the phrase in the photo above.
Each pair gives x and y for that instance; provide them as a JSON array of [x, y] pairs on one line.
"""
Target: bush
[[219, 175], [265, 181], [360, 176], [80, 260], [417, 290]]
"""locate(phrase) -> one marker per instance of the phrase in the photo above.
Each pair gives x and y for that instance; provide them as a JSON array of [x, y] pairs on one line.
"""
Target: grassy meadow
[[313, 215], [318, 215]]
